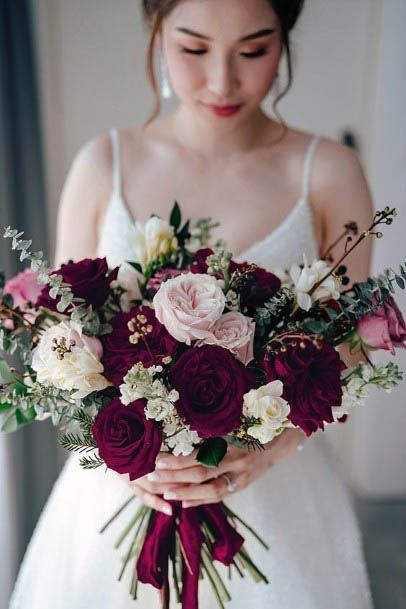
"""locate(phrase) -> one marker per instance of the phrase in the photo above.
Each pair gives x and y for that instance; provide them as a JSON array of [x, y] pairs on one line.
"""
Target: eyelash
[[254, 55]]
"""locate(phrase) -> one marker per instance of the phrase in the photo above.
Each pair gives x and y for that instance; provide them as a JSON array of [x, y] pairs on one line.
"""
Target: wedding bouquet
[[186, 349]]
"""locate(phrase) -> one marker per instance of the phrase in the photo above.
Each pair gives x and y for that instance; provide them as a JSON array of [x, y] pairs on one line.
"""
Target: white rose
[[304, 280], [154, 238], [266, 404], [68, 360]]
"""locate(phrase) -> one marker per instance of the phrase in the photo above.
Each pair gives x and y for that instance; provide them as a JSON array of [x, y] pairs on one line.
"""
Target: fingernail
[[169, 495], [167, 510], [162, 464], [153, 477]]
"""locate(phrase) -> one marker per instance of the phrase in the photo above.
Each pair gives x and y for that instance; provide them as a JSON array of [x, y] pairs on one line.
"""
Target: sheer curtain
[[28, 460]]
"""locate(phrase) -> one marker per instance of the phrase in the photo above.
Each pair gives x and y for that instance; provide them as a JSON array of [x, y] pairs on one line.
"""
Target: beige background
[[349, 59]]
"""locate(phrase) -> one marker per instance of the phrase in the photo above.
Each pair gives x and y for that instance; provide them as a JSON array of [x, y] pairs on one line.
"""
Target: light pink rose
[[23, 288], [235, 332], [189, 305], [385, 328]]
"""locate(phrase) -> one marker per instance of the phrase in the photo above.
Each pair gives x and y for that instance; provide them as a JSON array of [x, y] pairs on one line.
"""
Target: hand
[[184, 479]]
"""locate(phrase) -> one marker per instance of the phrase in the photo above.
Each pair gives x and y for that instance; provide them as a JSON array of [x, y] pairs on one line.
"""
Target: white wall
[[92, 56]]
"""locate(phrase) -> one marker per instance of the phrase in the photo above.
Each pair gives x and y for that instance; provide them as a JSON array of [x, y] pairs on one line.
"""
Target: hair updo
[[155, 11]]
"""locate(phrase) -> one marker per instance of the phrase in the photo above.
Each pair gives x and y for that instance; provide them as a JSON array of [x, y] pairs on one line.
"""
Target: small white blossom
[[304, 280], [183, 442]]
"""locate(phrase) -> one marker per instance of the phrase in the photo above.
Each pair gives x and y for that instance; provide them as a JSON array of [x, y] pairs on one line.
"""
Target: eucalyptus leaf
[[212, 452], [26, 416], [6, 376]]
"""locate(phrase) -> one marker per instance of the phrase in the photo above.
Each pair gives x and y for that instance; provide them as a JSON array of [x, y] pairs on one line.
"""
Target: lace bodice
[[283, 246]]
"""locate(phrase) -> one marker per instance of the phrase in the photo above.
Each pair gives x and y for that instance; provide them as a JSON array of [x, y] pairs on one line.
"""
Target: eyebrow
[[253, 36]]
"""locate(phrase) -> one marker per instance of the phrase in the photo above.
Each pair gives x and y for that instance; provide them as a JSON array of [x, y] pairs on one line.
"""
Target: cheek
[[258, 76], [185, 72]]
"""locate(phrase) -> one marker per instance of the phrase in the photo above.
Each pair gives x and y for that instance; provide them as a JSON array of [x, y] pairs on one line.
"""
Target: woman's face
[[222, 53]]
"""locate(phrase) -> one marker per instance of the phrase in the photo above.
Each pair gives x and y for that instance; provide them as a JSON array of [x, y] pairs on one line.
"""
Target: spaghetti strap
[[307, 165], [116, 161]]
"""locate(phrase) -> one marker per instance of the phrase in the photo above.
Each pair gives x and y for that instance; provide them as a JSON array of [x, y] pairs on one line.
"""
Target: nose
[[222, 78]]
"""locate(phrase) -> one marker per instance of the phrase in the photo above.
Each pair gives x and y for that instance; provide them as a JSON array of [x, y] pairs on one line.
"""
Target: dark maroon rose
[[128, 442], [89, 279], [121, 353], [260, 285], [211, 383], [199, 264], [311, 381]]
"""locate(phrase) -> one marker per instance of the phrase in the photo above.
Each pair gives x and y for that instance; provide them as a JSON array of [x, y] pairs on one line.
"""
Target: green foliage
[[274, 311], [91, 462], [212, 452], [176, 216]]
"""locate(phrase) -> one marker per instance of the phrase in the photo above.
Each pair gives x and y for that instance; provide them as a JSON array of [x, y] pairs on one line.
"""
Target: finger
[[196, 475], [212, 491], [168, 461], [155, 502], [158, 488]]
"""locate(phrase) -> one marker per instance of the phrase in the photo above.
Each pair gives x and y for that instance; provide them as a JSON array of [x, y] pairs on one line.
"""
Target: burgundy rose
[[128, 442], [199, 264], [211, 383], [89, 279], [120, 354], [311, 382], [384, 328], [260, 285]]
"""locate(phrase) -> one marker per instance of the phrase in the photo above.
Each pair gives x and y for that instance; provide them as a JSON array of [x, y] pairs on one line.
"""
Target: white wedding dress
[[300, 506]]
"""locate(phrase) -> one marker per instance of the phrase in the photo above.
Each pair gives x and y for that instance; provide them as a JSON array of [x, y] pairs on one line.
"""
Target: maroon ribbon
[[152, 564]]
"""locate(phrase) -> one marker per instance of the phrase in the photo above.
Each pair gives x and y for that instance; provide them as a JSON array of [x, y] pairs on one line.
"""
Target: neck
[[211, 138]]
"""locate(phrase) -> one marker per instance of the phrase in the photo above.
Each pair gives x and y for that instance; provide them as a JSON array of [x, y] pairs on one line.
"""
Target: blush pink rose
[[23, 288], [189, 305], [385, 328], [235, 332]]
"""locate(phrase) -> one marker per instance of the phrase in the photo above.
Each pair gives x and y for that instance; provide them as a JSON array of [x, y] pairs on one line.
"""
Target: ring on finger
[[231, 486]]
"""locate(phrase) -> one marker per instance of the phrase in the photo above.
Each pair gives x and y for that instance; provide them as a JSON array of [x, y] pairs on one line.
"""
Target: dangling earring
[[166, 91]]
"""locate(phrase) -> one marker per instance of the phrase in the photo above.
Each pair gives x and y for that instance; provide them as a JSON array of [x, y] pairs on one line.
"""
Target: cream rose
[[267, 405], [235, 332], [67, 359], [304, 280], [189, 305], [154, 237]]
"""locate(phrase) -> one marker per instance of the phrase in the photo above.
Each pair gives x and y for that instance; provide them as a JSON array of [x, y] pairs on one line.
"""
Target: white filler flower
[[304, 280]]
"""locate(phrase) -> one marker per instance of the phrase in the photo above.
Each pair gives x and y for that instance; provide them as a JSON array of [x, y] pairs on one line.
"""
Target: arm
[[84, 194], [340, 193]]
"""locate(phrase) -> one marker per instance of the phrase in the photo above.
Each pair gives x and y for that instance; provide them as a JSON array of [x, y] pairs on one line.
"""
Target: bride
[[278, 193]]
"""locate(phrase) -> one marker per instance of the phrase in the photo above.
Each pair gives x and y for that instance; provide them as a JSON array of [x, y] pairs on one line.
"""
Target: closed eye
[[259, 53]]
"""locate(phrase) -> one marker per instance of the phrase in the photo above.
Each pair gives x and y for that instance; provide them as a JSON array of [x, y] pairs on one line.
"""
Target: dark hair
[[155, 11]]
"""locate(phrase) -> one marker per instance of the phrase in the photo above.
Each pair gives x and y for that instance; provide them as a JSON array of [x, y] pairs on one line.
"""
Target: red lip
[[224, 110]]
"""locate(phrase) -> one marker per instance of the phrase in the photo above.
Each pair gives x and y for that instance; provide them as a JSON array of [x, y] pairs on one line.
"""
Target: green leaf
[[10, 424], [5, 406], [212, 452], [24, 417], [136, 266], [19, 387], [400, 282], [176, 216], [6, 376]]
